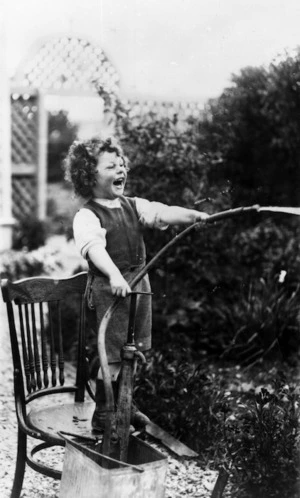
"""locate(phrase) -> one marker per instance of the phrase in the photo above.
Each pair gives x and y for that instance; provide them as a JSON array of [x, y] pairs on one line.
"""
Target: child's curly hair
[[81, 163]]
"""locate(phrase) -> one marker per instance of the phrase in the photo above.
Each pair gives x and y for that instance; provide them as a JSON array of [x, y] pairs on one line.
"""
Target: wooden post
[[6, 219]]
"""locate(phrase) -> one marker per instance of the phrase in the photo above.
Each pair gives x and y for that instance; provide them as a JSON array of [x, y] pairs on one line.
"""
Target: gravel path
[[185, 478]]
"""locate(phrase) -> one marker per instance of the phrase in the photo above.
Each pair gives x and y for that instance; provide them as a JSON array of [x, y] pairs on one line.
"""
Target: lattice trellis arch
[[62, 65], [66, 63]]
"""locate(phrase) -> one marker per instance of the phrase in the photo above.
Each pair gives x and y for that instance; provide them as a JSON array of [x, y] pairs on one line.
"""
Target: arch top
[[67, 63]]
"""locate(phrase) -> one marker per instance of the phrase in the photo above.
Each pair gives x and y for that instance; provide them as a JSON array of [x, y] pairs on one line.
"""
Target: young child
[[108, 233]]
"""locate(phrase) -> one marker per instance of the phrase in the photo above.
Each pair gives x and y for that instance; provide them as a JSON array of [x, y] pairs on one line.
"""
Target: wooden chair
[[46, 400]]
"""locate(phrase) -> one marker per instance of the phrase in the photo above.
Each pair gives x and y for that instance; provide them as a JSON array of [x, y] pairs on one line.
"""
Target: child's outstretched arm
[[173, 215], [101, 259]]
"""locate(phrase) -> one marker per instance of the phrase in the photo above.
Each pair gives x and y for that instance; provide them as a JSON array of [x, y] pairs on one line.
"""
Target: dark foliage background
[[61, 134]]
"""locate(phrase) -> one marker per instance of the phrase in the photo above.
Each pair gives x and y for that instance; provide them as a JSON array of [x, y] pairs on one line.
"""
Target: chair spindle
[[37, 360], [24, 350], [29, 348], [52, 346], [45, 361], [60, 347]]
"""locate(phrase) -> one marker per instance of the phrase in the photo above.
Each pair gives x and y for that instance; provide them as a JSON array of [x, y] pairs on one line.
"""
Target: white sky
[[165, 49]]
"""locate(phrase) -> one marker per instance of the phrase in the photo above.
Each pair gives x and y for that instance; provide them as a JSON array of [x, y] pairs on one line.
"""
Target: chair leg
[[20, 465]]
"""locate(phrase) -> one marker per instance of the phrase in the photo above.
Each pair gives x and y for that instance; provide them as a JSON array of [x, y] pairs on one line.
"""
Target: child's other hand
[[201, 216], [119, 286]]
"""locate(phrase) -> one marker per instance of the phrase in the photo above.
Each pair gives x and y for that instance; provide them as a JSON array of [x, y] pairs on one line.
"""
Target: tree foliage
[[253, 130], [61, 134]]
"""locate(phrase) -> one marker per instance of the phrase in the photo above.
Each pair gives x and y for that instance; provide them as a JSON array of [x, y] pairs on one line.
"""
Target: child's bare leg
[[98, 420], [138, 419], [114, 369]]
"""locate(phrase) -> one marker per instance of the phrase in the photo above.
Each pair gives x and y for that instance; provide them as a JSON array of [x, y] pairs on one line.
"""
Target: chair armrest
[[22, 423]]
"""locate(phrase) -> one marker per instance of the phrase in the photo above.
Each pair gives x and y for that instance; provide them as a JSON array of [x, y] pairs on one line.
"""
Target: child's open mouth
[[119, 183]]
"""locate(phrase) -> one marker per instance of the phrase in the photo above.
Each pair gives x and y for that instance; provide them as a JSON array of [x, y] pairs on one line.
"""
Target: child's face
[[111, 177]]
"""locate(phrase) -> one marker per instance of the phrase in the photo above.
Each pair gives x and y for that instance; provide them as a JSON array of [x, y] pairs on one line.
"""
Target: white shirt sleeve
[[87, 231], [150, 213]]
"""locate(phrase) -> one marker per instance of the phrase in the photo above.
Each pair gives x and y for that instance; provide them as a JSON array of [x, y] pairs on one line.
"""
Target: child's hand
[[119, 286], [201, 216]]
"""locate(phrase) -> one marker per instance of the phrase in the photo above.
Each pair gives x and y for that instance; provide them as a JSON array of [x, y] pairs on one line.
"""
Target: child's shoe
[[138, 419]]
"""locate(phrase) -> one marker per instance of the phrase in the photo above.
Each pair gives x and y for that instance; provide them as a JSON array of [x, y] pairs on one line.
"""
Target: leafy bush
[[61, 208], [179, 397], [243, 422], [262, 441], [253, 130], [223, 281], [15, 265], [266, 323], [29, 233], [62, 133]]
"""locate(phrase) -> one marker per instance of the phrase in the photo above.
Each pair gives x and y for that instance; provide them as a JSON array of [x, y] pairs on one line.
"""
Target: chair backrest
[[39, 331]]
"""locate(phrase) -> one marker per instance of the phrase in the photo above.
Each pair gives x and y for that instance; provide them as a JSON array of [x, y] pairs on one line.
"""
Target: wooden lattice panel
[[24, 121], [67, 63], [24, 197]]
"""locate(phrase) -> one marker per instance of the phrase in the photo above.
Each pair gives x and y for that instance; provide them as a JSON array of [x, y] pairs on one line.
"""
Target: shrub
[[30, 234], [266, 322], [243, 422], [61, 134], [61, 207], [262, 440], [180, 397], [223, 281], [15, 265], [253, 128]]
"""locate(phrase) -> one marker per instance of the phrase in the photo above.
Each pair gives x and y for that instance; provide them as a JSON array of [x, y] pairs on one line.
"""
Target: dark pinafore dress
[[125, 245]]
